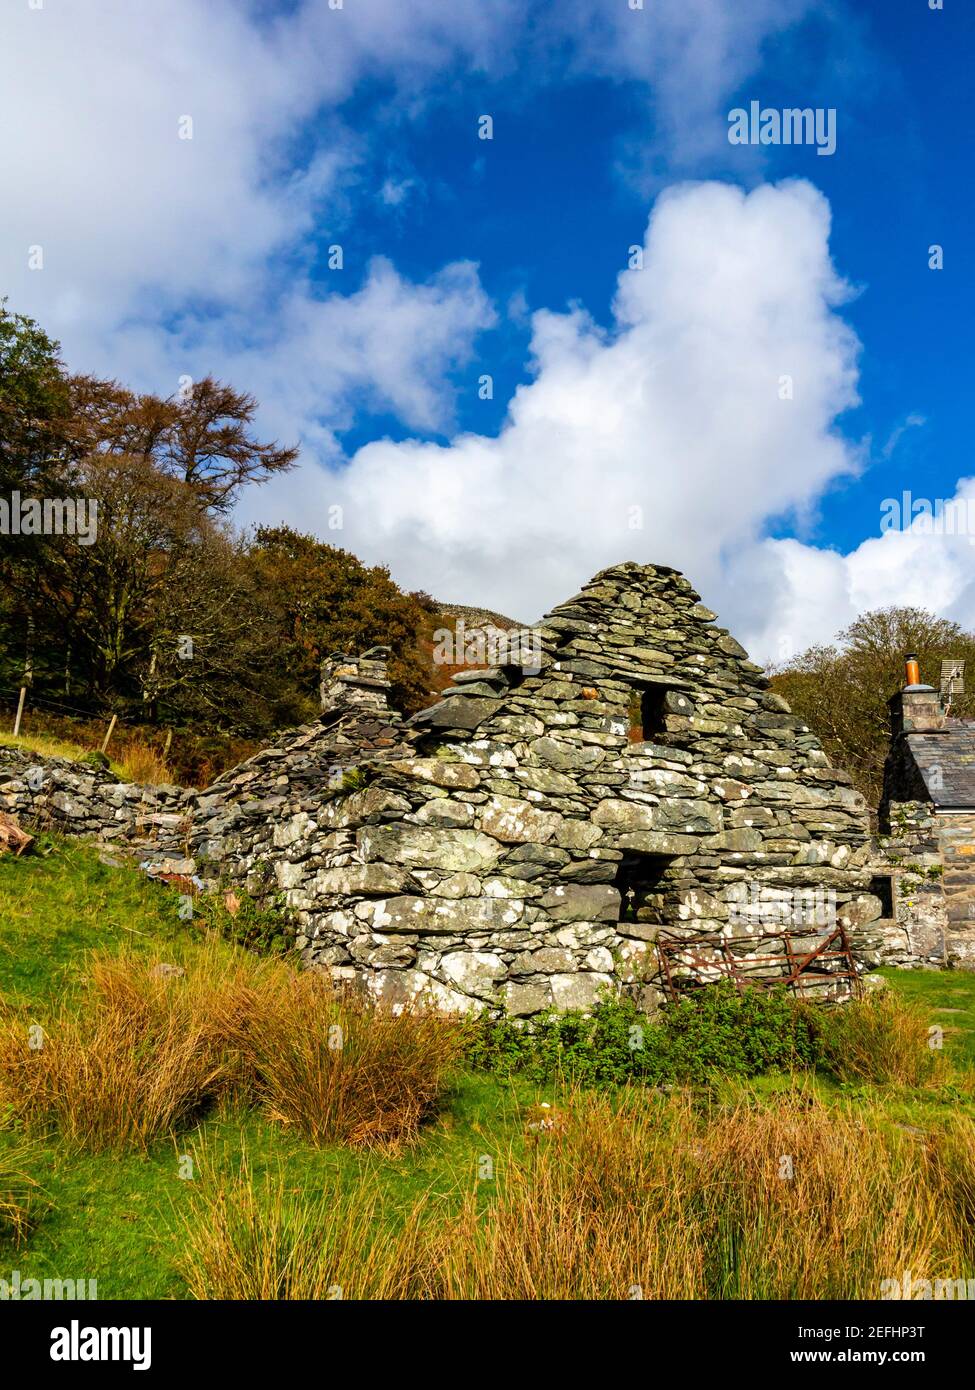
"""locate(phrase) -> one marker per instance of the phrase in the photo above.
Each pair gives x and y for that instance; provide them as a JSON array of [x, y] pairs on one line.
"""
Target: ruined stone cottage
[[527, 839], [622, 778]]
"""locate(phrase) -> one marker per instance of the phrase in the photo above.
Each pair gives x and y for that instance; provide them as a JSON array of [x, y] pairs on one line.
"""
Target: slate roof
[[946, 762]]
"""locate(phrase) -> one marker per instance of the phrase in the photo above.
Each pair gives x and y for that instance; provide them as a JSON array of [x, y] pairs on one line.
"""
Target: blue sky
[[546, 214], [314, 126]]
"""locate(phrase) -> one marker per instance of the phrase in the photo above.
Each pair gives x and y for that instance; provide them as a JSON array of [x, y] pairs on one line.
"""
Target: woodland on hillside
[[172, 617]]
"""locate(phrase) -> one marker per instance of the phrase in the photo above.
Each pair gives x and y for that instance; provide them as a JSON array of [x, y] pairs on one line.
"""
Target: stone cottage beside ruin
[[927, 825], [622, 780]]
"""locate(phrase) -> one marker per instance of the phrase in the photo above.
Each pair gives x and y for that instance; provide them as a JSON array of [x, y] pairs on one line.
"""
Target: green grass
[[43, 746], [948, 996], [54, 907], [117, 1218], [46, 747]]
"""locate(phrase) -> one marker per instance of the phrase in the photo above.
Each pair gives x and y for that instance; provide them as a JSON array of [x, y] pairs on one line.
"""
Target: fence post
[[109, 734], [20, 709]]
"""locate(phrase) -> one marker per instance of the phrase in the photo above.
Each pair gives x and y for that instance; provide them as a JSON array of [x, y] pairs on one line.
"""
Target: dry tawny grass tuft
[[644, 1197], [346, 1072], [776, 1201], [882, 1039], [800, 1200], [137, 1057], [145, 1052], [140, 762], [247, 1240]]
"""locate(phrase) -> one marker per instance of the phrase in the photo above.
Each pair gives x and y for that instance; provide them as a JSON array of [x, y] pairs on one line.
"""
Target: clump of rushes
[[245, 1239], [136, 1056], [344, 1071], [651, 1199], [882, 1039], [149, 1048], [639, 1196], [141, 762]]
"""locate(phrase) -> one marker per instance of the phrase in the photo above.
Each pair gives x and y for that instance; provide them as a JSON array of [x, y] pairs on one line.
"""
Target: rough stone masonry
[[529, 838]]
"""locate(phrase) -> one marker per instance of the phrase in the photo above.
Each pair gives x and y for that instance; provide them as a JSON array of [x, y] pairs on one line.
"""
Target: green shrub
[[716, 1029], [611, 1045], [713, 1030], [95, 759], [263, 924]]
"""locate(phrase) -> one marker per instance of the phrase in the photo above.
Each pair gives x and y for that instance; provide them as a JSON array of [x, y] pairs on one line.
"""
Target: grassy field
[[115, 1218], [591, 1176], [949, 998]]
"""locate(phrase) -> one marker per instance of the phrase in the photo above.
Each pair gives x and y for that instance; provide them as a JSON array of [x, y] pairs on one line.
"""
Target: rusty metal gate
[[826, 970]]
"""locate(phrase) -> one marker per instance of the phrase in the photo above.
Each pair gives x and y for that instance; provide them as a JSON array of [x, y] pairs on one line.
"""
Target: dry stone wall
[[75, 798]]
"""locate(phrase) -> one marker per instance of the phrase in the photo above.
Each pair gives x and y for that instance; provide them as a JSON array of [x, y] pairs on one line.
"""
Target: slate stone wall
[[75, 798], [929, 857], [911, 934]]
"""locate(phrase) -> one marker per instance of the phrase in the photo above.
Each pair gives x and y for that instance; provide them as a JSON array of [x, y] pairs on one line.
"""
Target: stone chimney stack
[[358, 681], [916, 708]]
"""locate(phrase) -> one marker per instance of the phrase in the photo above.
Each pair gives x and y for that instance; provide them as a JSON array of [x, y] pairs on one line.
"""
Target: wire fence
[[12, 696], [190, 757]]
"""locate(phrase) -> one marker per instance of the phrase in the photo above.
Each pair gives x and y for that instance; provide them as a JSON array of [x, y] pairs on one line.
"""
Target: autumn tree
[[170, 615], [211, 447], [213, 659], [105, 623], [327, 600]]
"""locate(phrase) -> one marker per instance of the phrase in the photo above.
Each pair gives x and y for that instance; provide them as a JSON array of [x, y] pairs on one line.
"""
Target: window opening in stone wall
[[882, 887], [639, 878], [516, 675], [649, 707], [653, 710]]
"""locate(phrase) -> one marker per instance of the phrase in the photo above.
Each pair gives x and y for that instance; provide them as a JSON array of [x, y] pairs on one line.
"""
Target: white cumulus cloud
[[670, 435], [922, 564], [709, 407], [142, 230]]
